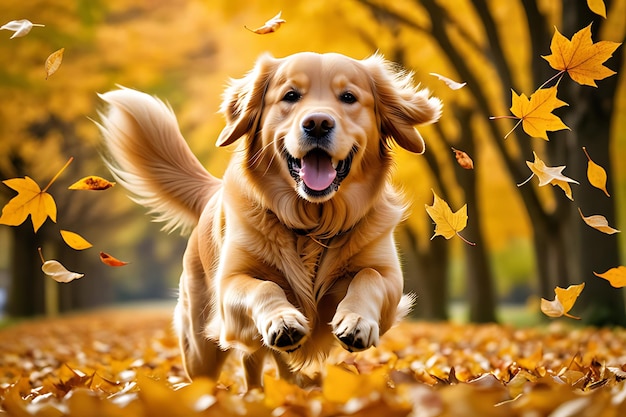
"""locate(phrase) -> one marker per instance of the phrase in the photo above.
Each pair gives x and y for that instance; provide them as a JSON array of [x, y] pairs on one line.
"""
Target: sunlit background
[[184, 51]]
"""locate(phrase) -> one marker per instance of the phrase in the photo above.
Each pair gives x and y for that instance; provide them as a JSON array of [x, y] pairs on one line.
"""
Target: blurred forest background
[[529, 239]]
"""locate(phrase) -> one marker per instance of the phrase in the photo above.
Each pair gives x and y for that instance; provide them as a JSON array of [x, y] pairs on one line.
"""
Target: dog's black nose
[[318, 125]]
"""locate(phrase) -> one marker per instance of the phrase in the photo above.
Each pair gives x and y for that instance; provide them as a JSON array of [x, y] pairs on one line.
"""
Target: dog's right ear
[[243, 101]]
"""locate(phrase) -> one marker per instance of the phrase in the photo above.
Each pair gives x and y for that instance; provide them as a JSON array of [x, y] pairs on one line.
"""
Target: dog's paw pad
[[287, 333], [355, 333]]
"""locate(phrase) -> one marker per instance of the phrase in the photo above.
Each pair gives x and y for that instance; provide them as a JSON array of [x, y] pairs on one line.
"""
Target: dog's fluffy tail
[[148, 155]]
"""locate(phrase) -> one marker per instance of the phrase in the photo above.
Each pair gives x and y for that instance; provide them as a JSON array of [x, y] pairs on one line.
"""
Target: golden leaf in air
[[30, 200], [616, 276], [74, 240], [56, 271], [563, 302], [91, 182], [596, 174], [110, 260], [53, 62], [447, 223], [463, 159], [581, 58], [598, 222], [598, 7], [21, 27], [453, 85], [270, 26], [535, 112], [550, 175]]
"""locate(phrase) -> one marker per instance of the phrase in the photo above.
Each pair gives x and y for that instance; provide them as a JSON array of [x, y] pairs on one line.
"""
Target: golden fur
[[293, 248]]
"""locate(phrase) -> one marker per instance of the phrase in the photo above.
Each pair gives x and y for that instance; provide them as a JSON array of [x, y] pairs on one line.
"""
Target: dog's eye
[[291, 96], [347, 98]]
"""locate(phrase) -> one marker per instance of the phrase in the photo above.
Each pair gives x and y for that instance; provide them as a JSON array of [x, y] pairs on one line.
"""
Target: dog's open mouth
[[317, 172]]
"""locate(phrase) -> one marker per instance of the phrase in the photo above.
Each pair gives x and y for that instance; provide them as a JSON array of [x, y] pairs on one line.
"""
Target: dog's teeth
[[334, 162]]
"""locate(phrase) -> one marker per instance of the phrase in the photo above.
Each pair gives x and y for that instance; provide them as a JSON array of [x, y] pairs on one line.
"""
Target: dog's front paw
[[354, 332], [286, 332]]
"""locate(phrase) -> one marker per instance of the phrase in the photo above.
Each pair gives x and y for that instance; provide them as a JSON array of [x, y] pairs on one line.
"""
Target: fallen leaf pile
[[127, 363]]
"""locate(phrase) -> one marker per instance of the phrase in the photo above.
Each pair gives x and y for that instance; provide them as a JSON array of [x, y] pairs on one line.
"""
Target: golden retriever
[[293, 248]]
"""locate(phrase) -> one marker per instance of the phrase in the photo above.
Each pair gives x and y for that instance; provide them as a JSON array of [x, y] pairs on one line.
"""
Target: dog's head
[[324, 121]]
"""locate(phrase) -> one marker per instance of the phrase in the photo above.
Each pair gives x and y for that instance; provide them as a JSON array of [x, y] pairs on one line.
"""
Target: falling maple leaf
[[447, 223], [110, 260], [270, 26], [598, 7], [535, 113], [598, 222], [596, 174], [563, 302], [550, 175], [21, 27], [453, 85], [30, 200], [92, 182], [581, 58], [463, 159], [53, 62], [615, 276], [74, 240]]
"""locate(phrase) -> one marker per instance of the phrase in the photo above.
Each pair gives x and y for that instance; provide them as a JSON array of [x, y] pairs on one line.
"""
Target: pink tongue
[[317, 171]]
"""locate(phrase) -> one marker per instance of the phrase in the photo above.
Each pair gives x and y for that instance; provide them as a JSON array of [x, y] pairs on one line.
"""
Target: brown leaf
[[463, 159], [91, 182]]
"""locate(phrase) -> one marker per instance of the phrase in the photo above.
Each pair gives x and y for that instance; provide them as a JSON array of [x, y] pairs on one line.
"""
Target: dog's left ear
[[243, 101], [401, 105]]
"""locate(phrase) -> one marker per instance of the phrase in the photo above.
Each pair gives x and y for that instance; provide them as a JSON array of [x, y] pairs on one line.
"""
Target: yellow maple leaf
[[615, 276], [447, 223], [535, 112], [550, 175], [580, 57], [563, 301], [30, 200]]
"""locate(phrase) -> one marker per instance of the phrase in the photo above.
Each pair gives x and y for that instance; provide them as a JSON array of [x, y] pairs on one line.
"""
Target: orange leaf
[[581, 58], [616, 276], [551, 175], [270, 26], [447, 223], [536, 112], [463, 159], [110, 260], [91, 182], [596, 174], [74, 240], [598, 222], [53, 62], [563, 301]]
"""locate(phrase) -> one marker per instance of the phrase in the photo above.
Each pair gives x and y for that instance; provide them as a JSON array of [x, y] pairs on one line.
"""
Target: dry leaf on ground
[[103, 361]]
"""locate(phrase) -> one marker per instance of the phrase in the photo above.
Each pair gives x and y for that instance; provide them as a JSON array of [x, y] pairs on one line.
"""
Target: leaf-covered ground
[[126, 363]]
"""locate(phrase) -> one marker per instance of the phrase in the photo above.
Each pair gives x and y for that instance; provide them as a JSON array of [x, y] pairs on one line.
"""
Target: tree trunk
[[590, 121]]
